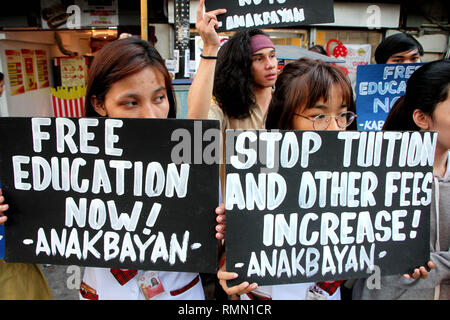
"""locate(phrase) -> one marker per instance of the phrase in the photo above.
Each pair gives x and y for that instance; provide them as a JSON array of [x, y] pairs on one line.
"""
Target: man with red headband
[[240, 76]]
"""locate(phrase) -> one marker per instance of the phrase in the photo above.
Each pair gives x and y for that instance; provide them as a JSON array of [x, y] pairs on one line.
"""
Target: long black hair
[[427, 87], [233, 79]]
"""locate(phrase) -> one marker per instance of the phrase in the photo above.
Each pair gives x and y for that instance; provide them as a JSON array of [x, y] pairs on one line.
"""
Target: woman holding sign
[[309, 95], [129, 80], [425, 106], [19, 280]]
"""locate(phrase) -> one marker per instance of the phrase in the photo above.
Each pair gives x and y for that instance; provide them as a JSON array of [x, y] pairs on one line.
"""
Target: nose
[[271, 63], [333, 125], [147, 111]]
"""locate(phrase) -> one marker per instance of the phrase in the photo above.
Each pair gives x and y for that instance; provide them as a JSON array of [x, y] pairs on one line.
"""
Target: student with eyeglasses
[[309, 95], [312, 95]]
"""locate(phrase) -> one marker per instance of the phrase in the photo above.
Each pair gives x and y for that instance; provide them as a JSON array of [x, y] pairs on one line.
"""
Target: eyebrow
[[135, 95], [402, 56], [261, 54], [322, 107]]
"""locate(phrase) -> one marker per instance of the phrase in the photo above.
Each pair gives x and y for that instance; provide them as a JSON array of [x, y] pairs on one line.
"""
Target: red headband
[[259, 42]]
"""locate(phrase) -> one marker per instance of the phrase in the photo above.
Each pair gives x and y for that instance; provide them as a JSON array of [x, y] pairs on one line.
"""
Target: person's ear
[[421, 119], [98, 105]]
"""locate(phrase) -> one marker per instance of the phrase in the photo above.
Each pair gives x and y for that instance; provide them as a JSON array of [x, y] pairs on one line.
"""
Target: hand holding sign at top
[[243, 14], [206, 26], [200, 92]]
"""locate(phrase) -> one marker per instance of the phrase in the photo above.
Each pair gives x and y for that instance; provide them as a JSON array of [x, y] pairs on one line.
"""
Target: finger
[[200, 14], [220, 228], [416, 274], [201, 5], [223, 275], [406, 276], [423, 273], [217, 12], [213, 23], [220, 218], [235, 289], [2, 199], [3, 219], [431, 265], [220, 236], [250, 288], [3, 208], [220, 209], [209, 16]]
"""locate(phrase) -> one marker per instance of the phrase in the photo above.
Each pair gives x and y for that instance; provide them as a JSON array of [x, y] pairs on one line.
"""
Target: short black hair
[[396, 43]]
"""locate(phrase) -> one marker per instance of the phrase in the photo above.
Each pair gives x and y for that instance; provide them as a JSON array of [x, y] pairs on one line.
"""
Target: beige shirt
[[23, 281], [256, 120]]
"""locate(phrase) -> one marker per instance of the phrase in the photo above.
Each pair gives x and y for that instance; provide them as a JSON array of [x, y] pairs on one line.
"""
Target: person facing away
[[399, 48], [425, 106]]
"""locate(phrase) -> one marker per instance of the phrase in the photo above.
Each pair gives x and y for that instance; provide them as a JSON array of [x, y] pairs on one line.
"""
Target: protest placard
[[243, 14], [120, 193], [316, 206], [378, 87]]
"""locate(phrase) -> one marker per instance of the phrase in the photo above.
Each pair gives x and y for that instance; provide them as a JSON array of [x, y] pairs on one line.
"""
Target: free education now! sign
[[243, 14], [319, 206], [378, 87], [121, 193]]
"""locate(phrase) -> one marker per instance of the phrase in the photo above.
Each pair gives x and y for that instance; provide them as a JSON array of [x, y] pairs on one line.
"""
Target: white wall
[[31, 103], [164, 34]]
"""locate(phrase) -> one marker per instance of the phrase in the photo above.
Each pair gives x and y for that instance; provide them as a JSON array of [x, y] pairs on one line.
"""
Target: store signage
[[56, 14]]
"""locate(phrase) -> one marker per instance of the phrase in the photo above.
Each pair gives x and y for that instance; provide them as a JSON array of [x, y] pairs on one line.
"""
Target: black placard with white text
[[244, 14], [316, 206], [121, 193]]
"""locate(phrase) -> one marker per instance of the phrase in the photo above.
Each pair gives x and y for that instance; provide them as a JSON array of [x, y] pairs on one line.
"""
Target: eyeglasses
[[322, 121]]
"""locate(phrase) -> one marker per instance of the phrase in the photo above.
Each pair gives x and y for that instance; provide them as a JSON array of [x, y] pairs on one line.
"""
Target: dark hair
[[1, 76], [396, 43], [427, 87], [319, 49], [233, 79], [303, 83], [120, 59]]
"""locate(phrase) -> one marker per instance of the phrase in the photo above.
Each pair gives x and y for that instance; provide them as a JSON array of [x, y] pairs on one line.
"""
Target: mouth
[[271, 76]]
